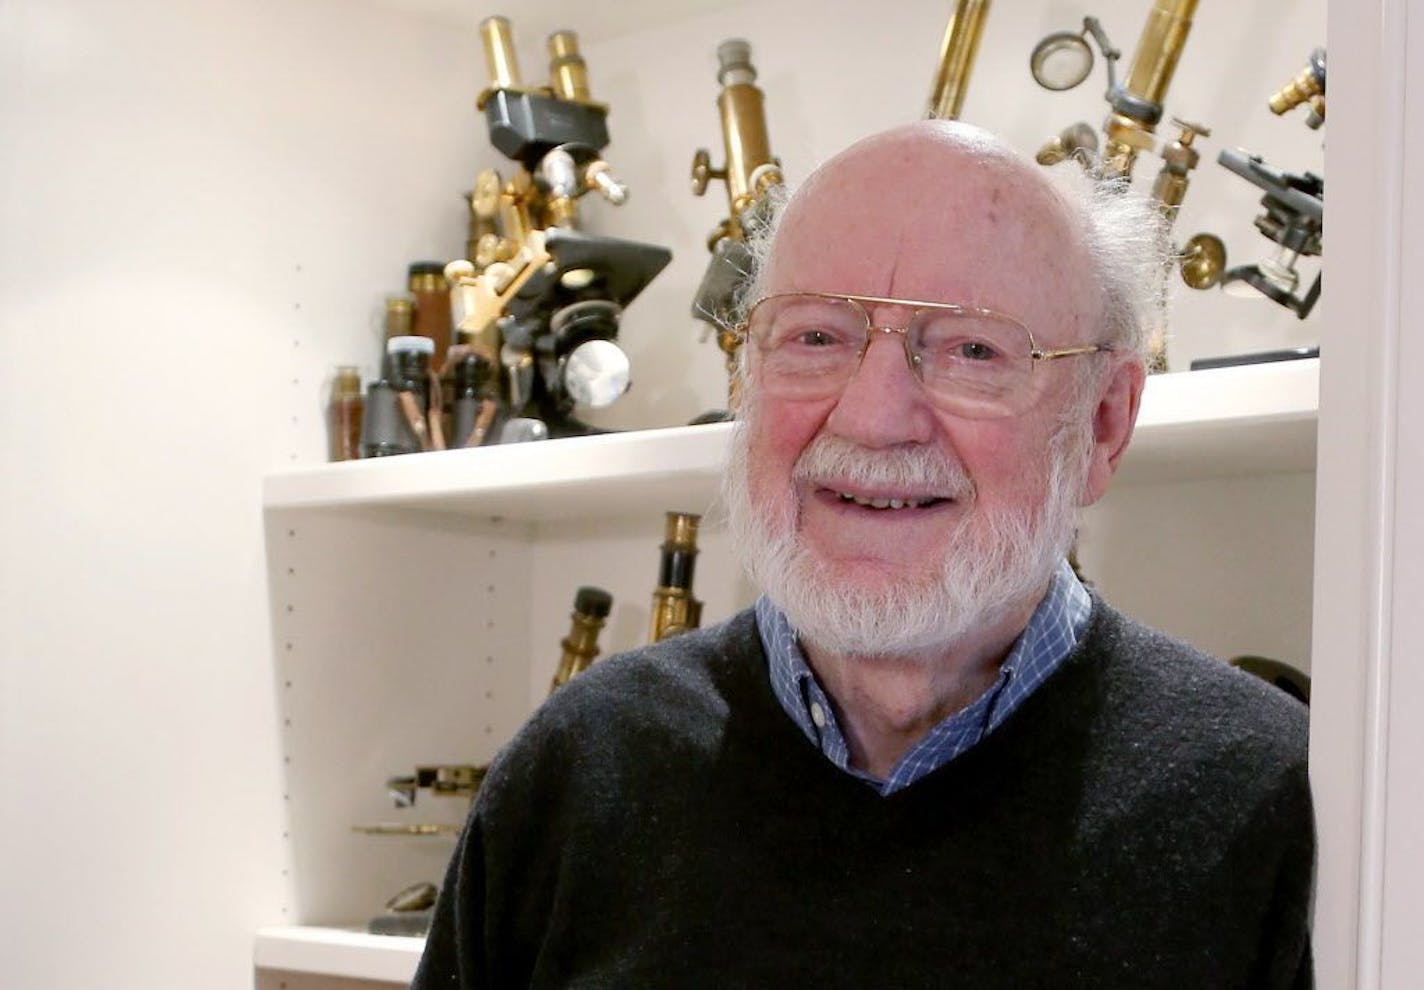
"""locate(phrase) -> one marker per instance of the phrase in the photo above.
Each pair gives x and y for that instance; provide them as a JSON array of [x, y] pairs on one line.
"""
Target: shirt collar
[[1051, 634]]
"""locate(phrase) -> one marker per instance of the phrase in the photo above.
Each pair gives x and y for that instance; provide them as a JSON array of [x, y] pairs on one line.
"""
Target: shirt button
[[818, 715]]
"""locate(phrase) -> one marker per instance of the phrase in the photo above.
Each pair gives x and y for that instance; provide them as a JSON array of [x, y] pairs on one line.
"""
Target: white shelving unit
[[417, 602], [544, 511]]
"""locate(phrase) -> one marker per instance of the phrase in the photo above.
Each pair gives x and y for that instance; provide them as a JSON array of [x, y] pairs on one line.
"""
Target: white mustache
[[913, 469]]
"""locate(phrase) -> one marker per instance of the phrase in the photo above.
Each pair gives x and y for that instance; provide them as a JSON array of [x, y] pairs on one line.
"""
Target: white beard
[[991, 564]]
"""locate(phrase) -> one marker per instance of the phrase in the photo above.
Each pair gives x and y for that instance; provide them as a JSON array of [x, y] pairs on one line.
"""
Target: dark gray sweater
[[1143, 820]]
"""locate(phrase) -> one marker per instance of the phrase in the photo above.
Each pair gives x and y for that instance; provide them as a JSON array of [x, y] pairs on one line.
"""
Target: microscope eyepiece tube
[[734, 62], [674, 609], [744, 136], [499, 53], [1158, 50], [580, 646], [956, 58], [568, 74], [1308, 83]]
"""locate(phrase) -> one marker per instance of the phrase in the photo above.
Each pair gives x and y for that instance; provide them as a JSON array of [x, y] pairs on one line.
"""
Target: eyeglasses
[[973, 362]]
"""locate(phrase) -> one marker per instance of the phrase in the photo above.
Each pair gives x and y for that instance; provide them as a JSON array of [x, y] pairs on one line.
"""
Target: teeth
[[885, 503]]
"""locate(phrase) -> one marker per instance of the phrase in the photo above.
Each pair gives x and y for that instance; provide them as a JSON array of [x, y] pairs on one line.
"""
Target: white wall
[[200, 208]]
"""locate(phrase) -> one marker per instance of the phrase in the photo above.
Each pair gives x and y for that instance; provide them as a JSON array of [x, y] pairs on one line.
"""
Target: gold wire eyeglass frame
[[1036, 353]]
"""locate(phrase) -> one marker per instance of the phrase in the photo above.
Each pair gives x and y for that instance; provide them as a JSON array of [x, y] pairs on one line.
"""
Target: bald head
[[944, 211]]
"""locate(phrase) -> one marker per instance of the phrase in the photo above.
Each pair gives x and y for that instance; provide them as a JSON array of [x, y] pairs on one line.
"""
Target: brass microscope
[[408, 911], [538, 298], [753, 178], [1064, 59], [1294, 204]]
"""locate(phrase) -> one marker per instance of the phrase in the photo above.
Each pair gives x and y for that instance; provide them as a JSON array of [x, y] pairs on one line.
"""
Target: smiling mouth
[[846, 498]]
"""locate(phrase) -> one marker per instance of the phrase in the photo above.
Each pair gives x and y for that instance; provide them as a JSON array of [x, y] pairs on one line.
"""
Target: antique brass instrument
[[1179, 158], [1077, 141], [1202, 260], [674, 609], [1293, 205], [1137, 105], [956, 58], [1308, 86], [591, 608], [1064, 59], [751, 173], [536, 294], [446, 780], [1293, 218]]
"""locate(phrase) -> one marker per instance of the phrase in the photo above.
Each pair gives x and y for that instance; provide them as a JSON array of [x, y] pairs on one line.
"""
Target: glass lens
[[807, 344], [973, 362], [1061, 61]]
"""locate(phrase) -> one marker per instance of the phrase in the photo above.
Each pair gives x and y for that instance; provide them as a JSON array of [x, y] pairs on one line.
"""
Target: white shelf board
[[1226, 422], [612, 475], [338, 952]]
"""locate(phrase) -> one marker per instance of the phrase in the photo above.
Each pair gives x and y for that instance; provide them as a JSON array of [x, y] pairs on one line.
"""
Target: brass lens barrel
[[674, 608], [1159, 48], [1294, 93], [679, 550], [400, 314], [743, 111], [956, 58], [499, 53], [568, 74], [591, 608], [1308, 83], [1137, 105]]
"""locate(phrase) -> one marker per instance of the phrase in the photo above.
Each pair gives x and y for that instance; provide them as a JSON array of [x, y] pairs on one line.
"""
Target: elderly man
[[928, 757]]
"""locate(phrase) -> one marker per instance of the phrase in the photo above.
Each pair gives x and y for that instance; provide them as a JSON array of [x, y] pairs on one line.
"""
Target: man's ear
[[1113, 417]]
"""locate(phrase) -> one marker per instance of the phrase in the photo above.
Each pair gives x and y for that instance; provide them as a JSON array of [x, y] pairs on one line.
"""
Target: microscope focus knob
[[1203, 261], [484, 200], [701, 171]]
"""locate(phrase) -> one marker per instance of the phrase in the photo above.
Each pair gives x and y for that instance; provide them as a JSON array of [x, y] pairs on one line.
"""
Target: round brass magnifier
[[1061, 61]]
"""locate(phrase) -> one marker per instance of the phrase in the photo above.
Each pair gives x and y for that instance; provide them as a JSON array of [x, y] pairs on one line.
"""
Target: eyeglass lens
[[973, 363]]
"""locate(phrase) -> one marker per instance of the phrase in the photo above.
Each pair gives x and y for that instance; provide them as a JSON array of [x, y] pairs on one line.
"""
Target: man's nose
[[883, 404]]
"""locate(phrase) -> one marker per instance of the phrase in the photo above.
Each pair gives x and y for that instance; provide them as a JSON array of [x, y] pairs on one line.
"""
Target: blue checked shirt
[[1052, 632]]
